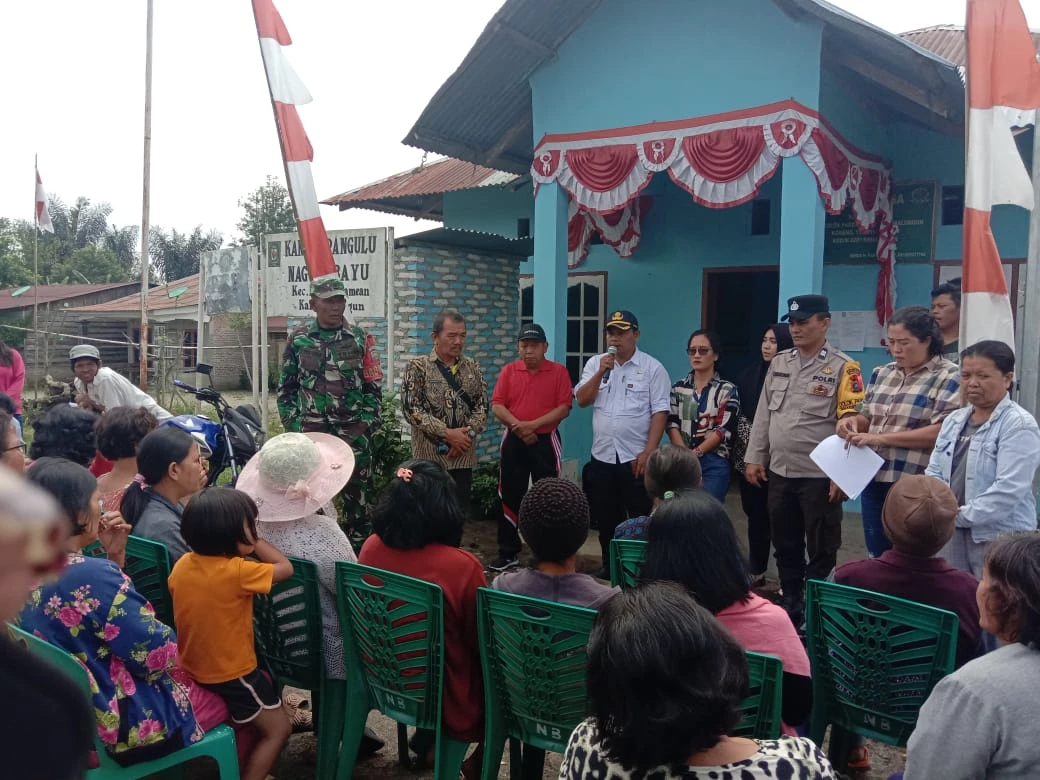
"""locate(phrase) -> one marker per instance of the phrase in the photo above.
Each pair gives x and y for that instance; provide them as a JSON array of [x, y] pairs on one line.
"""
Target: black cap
[[622, 319], [802, 307], [532, 332]]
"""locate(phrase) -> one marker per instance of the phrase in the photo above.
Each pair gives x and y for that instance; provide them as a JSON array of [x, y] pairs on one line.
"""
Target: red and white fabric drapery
[[620, 229], [721, 161], [288, 92]]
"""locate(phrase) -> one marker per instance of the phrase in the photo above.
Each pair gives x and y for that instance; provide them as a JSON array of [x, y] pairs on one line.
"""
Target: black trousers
[[463, 488], [755, 502], [803, 518], [615, 494], [521, 464]]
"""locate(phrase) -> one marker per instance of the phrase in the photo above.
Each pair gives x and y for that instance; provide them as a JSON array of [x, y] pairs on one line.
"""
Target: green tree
[[176, 255], [267, 209], [124, 243], [13, 272]]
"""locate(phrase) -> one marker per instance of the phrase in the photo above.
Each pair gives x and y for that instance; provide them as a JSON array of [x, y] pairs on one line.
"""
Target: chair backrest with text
[[875, 659]]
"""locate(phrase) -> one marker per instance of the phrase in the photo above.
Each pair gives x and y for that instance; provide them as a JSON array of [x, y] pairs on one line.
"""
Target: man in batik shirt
[[331, 383]]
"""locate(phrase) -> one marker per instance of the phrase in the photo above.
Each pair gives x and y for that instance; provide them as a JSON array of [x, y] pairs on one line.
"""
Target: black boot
[[793, 602]]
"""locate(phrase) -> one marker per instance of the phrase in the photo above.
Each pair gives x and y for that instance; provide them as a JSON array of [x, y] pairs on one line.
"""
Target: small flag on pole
[[1003, 92], [43, 217]]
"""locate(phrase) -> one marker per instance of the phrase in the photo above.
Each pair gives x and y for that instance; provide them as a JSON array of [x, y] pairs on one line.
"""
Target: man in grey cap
[[531, 398], [99, 388], [806, 390]]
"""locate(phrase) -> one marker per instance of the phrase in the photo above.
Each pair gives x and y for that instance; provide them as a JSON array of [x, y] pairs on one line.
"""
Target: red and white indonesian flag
[[1003, 92], [287, 92], [43, 217]]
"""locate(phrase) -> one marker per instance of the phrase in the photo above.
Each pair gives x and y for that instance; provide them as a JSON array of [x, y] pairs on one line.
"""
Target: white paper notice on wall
[[855, 331]]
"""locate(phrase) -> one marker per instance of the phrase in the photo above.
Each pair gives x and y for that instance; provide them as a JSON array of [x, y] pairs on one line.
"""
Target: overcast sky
[[74, 79]]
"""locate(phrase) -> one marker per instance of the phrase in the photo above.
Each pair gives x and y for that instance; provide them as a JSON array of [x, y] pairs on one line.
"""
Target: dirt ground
[[298, 759]]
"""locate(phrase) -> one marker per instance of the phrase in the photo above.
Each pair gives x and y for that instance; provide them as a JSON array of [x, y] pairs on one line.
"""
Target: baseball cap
[[327, 287], [802, 307], [622, 319], [531, 332], [84, 351]]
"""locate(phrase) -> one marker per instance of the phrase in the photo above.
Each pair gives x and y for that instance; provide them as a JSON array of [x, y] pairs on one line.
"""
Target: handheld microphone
[[611, 350]]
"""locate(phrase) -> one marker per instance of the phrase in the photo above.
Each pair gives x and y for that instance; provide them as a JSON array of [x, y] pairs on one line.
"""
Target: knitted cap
[[554, 519], [919, 515]]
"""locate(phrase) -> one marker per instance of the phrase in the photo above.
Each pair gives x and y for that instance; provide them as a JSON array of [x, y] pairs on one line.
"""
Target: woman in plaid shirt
[[905, 405]]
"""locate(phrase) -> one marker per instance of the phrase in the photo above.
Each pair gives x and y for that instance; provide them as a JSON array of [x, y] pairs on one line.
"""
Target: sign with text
[[361, 260], [914, 204]]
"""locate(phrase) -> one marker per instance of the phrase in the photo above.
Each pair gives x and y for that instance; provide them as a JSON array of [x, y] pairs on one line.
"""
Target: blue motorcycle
[[230, 441]]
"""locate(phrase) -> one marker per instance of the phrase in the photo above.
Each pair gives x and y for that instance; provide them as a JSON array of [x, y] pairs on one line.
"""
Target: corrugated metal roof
[[471, 241], [482, 113], [50, 293], [158, 298], [948, 41], [433, 178]]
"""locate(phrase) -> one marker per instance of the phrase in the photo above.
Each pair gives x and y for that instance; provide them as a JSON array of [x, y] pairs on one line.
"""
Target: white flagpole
[[146, 198], [36, 280]]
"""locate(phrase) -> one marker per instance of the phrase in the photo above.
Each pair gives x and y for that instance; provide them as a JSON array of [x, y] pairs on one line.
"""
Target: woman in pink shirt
[[692, 542], [12, 376]]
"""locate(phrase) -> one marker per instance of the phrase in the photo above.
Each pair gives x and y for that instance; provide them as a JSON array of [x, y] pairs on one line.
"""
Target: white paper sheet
[[851, 469]]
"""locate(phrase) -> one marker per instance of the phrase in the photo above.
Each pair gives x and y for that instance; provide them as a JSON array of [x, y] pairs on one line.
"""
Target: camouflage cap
[[326, 287]]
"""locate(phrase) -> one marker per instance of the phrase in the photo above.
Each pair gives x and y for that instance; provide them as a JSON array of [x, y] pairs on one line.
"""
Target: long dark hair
[[692, 542], [158, 451], [420, 508], [665, 679], [6, 354]]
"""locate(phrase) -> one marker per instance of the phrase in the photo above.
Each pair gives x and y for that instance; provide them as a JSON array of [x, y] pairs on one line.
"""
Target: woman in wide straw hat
[[293, 480]]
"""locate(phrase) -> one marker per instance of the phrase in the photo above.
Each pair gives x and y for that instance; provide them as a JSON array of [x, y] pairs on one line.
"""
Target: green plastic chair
[[533, 657], [761, 708], [148, 567], [626, 560], [393, 629], [288, 631], [218, 744], [875, 658]]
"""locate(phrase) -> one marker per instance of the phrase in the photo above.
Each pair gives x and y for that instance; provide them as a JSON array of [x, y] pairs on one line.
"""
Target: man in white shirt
[[630, 394], [99, 388]]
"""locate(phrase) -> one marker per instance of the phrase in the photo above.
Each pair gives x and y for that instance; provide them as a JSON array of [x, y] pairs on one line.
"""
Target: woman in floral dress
[[140, 698]]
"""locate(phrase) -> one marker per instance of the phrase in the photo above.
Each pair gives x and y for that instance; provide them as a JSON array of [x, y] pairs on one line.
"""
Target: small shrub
[[484, 493]]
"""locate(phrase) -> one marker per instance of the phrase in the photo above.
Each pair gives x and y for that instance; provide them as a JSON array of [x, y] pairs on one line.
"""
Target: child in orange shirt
[[213, 589]]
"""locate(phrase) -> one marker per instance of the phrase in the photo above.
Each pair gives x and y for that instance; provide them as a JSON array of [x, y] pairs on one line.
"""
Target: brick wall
[[483, 289]]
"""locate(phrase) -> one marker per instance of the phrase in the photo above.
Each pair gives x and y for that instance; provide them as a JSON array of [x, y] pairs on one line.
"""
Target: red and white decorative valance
[[619, 229], [721, 161]]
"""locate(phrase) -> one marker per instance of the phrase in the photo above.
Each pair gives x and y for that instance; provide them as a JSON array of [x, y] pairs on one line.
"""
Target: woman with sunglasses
[[704, 408]]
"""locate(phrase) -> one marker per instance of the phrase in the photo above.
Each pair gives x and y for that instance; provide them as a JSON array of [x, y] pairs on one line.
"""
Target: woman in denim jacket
[[988, 453]]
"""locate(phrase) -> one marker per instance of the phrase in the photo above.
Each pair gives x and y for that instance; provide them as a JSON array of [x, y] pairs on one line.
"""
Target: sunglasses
[[698, 351]]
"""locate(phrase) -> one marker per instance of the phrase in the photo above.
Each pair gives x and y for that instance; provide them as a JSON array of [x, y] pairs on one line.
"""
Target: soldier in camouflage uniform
[[331, 383]]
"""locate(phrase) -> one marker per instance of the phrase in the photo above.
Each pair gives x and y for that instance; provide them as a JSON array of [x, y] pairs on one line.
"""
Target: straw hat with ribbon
[[296, 474]]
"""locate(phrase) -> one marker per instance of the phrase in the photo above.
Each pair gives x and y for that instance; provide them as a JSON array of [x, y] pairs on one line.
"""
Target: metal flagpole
[[146, 197], [1029, 356], [36, 280]]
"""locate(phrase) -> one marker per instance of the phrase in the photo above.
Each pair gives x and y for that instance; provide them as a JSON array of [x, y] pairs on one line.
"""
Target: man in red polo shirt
[[531, 397]]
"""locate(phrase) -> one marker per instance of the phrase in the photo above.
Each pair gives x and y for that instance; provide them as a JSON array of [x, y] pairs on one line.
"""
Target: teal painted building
[[600, 106]]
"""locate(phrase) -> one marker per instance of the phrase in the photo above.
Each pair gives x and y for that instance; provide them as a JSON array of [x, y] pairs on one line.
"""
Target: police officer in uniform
[[806, 390], [331, 382]]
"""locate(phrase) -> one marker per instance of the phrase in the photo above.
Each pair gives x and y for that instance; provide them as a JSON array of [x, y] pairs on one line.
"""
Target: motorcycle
[[228, 443]]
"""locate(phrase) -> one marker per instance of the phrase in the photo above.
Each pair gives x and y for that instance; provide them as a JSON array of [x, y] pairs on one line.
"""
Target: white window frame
[[596, 279]]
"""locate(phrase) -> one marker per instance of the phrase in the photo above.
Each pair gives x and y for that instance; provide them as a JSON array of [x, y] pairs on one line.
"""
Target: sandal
[[298, 708], [859, 757]]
